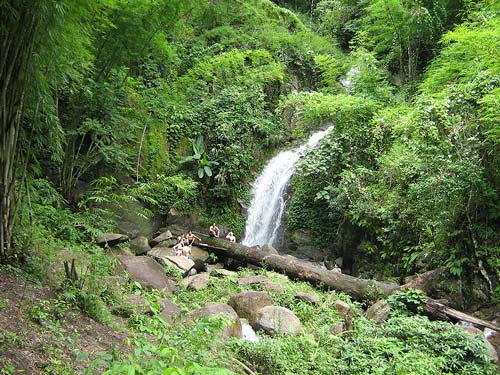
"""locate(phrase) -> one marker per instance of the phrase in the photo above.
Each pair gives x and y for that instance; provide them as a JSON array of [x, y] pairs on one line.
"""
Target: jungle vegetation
[[178, 104]]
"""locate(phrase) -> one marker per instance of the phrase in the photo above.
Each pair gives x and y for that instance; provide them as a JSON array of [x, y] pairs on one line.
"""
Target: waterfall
[[269, 194]]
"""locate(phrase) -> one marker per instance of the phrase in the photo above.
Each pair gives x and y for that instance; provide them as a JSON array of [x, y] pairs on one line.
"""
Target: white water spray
[[268, 194]]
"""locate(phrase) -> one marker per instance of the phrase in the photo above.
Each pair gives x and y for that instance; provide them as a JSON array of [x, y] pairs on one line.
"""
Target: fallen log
[[439, 311], [360, 289]]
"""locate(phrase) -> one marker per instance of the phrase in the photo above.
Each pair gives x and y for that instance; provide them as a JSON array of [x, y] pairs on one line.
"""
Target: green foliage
[[407, 302], [165, 192], [200, 156]]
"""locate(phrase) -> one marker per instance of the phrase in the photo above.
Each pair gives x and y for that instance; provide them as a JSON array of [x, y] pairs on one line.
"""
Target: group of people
[[215, 232], [185, 241]]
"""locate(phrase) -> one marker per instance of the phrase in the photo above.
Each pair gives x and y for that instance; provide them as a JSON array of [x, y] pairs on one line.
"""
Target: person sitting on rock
[[214, 231], [230, 236], [191, 237]]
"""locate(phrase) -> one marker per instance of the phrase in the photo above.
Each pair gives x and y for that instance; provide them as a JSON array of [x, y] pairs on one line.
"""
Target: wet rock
[[277, 320], [247, 304]]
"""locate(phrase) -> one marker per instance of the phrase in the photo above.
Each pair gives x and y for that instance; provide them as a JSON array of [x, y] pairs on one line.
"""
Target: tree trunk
[[360, 289]]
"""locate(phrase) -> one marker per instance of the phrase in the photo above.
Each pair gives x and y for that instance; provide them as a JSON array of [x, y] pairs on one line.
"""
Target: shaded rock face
[[162, 237], [248, 304], [220, 309], [278, 320], [140, 245], [111, 239], [378, 312], [269, 249], [300, 243], [148, 272], [118, 251]]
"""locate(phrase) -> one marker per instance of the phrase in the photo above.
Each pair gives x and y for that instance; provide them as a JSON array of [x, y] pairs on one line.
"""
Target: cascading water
[[269, 194]]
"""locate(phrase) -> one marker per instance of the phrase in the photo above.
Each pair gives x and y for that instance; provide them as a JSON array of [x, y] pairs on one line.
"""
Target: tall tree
[[20, 22]]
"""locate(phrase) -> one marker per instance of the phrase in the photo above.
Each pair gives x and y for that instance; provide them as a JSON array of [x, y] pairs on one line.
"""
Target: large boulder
[[147, 272], [199, 253], [140, 245], [118, 251], [197, 282], [476, 332], [182, 263], [493, 338], [161, 252], [379, 311], [248, 304], [111, 239], [300, 243], [162, 237], [278, 320], [217, 310]]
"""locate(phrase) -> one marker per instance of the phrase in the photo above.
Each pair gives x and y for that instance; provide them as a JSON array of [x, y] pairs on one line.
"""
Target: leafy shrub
[[407, 302]]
